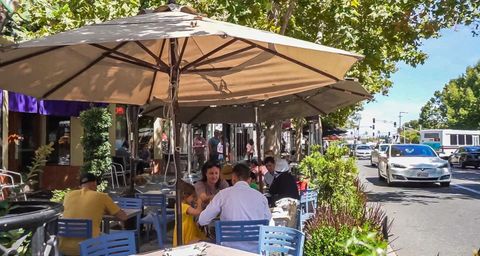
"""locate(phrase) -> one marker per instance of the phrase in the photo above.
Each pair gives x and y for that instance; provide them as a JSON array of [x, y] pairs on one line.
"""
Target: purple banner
[[22, 103]]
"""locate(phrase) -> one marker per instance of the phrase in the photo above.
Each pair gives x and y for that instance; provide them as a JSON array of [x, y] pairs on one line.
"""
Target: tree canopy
[[456, 105], [385, 31]]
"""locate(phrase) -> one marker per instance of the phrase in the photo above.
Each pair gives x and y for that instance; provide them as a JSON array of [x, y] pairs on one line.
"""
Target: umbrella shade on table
[[320, 101], [130, 61]]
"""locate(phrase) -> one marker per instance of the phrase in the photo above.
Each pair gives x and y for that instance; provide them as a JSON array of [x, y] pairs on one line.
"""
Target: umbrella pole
[[132, 126], [259, 156], [174, 80]]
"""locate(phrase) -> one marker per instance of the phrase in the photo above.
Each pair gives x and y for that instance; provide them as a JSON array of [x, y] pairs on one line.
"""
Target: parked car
[[413, 163], [380, 148], [363, 151], [466, 156]]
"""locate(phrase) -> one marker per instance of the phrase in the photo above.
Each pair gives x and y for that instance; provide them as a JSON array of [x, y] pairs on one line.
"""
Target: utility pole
[[400, 126]]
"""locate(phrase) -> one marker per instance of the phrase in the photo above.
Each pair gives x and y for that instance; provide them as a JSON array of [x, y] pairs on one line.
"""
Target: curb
[[390, 251]]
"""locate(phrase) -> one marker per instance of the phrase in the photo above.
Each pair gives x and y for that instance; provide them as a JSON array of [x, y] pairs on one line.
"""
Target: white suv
[[363, 151]]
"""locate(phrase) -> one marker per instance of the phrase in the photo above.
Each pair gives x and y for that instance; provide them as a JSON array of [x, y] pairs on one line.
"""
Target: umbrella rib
[[227, 55], [159, 60], [151, 110], [291, 59], [31, 55], [195, 62], [349, 91], [182, 52], [149, 52], [114, 51], [197, 115], [200, 70], [105, 54], [310, 104], [150, 66]]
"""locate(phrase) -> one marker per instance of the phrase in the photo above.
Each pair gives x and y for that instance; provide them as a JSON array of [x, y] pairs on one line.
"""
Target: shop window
[[58, 133]]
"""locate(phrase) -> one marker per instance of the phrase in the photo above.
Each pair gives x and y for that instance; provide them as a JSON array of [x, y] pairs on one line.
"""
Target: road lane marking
[[468, 189]]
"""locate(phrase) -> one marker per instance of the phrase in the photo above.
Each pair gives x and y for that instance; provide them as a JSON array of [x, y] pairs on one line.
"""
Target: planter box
[[60, 177]]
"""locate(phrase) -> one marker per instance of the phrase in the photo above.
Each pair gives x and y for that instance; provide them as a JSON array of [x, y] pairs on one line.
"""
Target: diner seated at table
[[211, 183], [253, 180], [257, 168], [237, 203], [87, 203], [284, 184], [190, 231]]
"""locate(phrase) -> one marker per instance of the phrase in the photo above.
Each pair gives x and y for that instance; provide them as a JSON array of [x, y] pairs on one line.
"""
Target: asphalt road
[[429, 219]]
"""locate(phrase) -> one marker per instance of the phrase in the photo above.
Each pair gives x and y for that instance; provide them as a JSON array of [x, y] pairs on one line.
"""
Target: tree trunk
[[273, 132], [286, 16]]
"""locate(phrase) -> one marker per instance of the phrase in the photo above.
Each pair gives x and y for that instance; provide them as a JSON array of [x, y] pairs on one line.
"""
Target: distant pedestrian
[[250, 149], [199, 145], [213, 146]]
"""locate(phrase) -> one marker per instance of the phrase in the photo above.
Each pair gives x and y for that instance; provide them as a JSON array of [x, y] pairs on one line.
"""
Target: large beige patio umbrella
[[175, 57]]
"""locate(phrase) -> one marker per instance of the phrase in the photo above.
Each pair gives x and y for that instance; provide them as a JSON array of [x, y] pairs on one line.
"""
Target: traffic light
[[374, 120], [394, 124], [373, 134], [388, 134], [373, 127]]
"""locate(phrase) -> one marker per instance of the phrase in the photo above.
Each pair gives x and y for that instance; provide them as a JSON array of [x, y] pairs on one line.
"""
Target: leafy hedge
[[343, 224]]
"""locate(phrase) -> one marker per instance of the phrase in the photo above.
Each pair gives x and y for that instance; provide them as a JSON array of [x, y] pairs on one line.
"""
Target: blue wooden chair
[[308, 206], [284, 240], [160, 216], [118, 244], [131, 203], [74, 228], [238, 231]]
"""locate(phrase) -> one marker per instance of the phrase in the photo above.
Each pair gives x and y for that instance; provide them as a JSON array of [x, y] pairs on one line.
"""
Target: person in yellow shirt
[[191, 233], [87, 203]]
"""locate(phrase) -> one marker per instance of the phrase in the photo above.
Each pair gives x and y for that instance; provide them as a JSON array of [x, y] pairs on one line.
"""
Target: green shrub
[[333, 176], [59, 195], [96, 147], [38, 163]]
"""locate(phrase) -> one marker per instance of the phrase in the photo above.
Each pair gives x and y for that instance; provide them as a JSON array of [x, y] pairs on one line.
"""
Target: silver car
[[413, 163], [363, 151], [379, 149]]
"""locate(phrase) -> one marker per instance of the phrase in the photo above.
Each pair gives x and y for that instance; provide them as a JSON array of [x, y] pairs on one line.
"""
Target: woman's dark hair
[[207, 165], [253, 176], [250, 141], [269, 159]]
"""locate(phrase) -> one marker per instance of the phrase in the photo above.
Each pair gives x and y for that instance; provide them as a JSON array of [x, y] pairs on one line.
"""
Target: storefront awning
[[18, 102]]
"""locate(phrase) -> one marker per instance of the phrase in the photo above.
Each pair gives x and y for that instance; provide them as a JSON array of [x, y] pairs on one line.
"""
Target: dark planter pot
[[30, 214]]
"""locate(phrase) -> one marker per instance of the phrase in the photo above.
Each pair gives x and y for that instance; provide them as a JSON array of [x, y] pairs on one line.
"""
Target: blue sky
[[448, 58]]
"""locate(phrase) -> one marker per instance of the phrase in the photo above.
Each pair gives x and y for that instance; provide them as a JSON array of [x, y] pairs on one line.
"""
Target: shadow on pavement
[[419, 193]]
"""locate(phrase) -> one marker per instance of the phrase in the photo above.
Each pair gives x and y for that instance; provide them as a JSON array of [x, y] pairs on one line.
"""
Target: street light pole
[[400, 125]]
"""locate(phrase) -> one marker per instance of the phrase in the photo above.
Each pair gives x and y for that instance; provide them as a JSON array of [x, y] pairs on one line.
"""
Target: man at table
[[239, 202], [87, 203]]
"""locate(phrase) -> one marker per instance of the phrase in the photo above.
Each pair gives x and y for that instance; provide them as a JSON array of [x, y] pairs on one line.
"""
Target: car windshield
[[412, 151], [383, 148], [365, 147]]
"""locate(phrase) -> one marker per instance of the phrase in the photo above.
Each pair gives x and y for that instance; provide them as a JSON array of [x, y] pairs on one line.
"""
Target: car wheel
[[445, 184], [380, 177], [389, 182]]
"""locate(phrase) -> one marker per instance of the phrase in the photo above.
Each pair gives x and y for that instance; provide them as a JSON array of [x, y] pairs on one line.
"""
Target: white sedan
[[413, 163]]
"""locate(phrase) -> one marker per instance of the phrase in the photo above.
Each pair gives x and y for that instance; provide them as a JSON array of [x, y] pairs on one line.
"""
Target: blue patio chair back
[[128, 203], [236, 231], [74, 228], [284, 240], [118, 244], [309, 200], [160, 218]]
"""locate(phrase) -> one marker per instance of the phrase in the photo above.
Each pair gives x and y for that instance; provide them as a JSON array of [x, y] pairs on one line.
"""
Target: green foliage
[[38, 163], [59, 195], [333, 176], [348, 241], [456, 106], [8, 238], [97, 156]]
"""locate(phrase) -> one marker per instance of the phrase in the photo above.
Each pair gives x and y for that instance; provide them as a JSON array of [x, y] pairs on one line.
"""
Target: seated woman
[[190, 231], [210, 183]]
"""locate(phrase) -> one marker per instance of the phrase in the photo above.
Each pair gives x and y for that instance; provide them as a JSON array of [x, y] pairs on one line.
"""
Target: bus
[[446, 141]]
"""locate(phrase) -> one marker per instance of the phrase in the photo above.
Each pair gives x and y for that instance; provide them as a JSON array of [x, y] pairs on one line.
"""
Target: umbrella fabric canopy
[[128, 61], [319, 101]]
